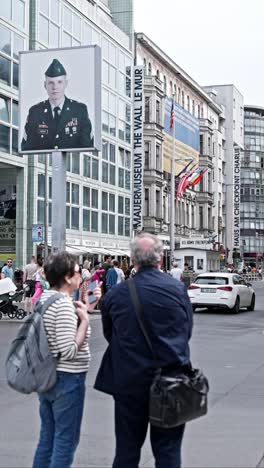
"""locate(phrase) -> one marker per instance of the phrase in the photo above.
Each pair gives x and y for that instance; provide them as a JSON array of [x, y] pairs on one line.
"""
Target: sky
[[214, 42]]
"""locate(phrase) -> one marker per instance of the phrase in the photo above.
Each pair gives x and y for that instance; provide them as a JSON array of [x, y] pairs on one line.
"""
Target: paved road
[[228, 348]]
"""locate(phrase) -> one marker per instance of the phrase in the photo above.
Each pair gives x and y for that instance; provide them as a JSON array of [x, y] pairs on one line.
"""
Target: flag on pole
[[172, 114], [198, 176], [182, 185]]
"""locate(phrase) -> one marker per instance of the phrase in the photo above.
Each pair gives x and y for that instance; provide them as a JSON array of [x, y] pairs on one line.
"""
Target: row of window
[[75, 32], [179, 95], [111, 174], [251, 191], [115, 215]]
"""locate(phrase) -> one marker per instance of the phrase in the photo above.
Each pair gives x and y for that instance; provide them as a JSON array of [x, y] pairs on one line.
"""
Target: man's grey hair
[[146, 250]]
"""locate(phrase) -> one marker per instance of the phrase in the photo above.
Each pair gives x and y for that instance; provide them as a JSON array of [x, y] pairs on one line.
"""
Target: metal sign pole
[[58, 201]]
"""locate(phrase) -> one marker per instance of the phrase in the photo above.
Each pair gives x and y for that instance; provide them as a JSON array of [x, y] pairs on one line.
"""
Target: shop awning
[[82, 250]]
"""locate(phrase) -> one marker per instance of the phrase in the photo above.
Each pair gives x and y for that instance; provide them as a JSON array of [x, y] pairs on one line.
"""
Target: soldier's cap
[[55, 69]]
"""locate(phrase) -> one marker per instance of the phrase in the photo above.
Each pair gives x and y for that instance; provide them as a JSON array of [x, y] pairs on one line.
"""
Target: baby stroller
[[8, 295]]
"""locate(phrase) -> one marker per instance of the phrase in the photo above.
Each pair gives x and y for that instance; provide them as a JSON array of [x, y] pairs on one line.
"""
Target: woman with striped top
[[67, 327]]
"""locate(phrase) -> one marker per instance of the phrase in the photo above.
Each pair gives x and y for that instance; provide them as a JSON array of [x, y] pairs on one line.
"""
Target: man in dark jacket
[[128, 367]]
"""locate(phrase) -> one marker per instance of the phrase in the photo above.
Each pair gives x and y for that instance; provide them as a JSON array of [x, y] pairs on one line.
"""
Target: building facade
[[199, 212], [98, 211], [232, 102], [252, 189]]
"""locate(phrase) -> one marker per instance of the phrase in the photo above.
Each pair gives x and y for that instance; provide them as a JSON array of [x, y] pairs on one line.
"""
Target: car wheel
[[236, 307], [252, 304]]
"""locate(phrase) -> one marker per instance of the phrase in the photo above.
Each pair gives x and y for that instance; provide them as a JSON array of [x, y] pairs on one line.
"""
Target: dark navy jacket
[[128, 365]]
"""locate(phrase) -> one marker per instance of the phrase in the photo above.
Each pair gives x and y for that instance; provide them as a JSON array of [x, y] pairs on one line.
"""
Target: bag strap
[[49, 301], [140, 316]]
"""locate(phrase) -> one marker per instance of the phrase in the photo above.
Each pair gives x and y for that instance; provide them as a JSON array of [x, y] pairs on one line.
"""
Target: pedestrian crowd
[[128, 367]]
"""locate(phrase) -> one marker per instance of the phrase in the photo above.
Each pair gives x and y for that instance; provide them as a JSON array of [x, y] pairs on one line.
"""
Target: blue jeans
[[131, 425], [61, 410]]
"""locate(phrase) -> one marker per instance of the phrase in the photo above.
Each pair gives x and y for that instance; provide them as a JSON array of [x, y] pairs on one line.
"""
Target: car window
[[211, 280], [236, 280]]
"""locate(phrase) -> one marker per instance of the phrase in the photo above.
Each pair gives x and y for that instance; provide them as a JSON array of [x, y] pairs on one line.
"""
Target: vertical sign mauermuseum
[[236, 214], [138, 162]]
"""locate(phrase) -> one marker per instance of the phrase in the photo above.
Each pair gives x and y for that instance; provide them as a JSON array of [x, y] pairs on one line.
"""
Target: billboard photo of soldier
[[60, 100]]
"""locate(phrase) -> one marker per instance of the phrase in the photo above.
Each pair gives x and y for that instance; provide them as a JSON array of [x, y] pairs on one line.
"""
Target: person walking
[[39, 276], [86, 277], [176, 272], [7, 270], [128, 366], [119, 271], [67, 327], [29, 278]]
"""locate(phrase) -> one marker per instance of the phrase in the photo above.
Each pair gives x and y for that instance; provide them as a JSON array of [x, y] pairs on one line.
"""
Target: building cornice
[[176, 69]]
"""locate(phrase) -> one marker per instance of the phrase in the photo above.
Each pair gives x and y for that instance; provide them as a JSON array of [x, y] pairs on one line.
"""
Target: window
[[124, 74], [10, 44], [147, 109], [201, 144], [158, 116], [124, 126], [188, 103], [158, 204], [108, 163], [147, 154], [90, 209], [158, 158], [14, 10], [124, 213], [41, 199], [90, 167], [108, 218], [146, 203], [149, 69], [72, 206], [8, 125], [49, 24], [124, 168], [165, 84], [109, 112], [182, 99], [201, 219], [71, 22]]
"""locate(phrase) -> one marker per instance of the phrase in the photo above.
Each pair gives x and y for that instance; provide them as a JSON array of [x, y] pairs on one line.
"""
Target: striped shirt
[[60, 323]]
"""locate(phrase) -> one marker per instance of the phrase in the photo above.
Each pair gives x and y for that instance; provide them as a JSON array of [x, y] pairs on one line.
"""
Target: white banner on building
[[196, 243], [236, 211], [138, 147]]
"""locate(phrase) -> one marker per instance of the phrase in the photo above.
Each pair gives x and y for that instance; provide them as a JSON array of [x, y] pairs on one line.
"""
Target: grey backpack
[[30, 366]]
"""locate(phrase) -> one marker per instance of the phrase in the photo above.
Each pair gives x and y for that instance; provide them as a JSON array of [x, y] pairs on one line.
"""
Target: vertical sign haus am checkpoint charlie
[[236, 181], [138, 97]]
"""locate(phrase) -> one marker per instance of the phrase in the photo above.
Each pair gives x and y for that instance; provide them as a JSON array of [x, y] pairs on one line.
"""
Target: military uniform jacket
[[74, 128]]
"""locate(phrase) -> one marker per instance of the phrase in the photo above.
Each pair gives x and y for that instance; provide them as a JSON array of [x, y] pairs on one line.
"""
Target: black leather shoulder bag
[[176, 395]]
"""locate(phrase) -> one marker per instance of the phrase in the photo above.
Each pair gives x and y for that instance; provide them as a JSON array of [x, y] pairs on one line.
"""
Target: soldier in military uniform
[[59, 122]]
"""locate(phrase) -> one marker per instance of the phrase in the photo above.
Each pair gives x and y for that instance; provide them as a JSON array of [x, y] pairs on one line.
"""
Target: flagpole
[[172, 210]]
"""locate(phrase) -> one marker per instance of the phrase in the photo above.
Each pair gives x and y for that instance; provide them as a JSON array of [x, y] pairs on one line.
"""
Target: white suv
[[221, 290]]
